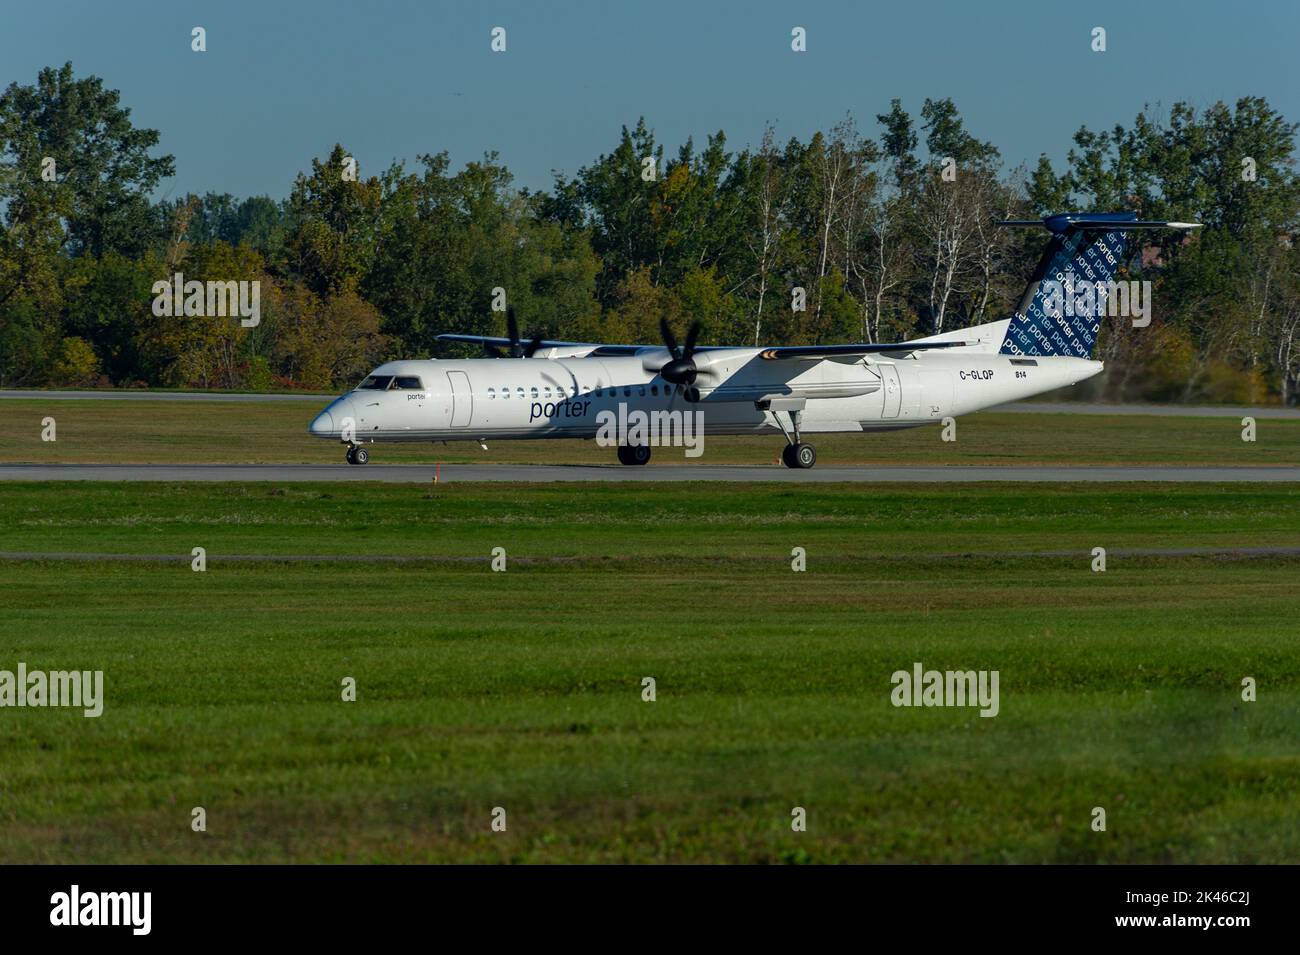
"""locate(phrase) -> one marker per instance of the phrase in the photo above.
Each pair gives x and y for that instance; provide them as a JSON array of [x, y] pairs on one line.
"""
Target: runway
[[1019, 407], [550, 473]]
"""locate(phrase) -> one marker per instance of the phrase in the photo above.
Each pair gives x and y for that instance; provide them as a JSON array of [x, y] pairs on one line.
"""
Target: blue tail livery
[[1085, 250]]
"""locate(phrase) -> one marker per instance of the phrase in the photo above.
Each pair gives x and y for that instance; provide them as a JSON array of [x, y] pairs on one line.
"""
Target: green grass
[[523, 690], [610, 523], [161, 432]]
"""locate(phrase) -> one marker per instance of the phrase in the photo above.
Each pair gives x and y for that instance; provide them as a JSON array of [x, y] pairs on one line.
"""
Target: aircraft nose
[[322, 425]]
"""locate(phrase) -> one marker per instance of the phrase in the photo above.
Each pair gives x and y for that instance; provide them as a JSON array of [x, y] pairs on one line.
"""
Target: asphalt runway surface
[[548, 473], [1023, 407]]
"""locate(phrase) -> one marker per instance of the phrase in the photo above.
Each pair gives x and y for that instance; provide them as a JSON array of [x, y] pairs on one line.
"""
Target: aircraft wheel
[[799, 456], [349, 455], [634, 454], [360, 456]]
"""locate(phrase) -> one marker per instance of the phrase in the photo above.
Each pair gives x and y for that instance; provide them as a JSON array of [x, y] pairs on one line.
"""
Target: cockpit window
[[409, 382], [376, 383]]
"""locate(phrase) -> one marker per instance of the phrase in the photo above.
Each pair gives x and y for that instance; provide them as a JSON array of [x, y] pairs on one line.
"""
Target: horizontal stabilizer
[[1064, 222]]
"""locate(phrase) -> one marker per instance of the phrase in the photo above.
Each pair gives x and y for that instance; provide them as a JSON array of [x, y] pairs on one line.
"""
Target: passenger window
[[641, 391], [534, 391], [505, 394], [492, 393], [654, 389]]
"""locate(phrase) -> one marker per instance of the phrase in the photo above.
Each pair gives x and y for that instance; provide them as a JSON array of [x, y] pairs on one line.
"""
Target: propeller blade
[[512, 329], [692, 334], [679, 369], [669, 338], [531, 348]]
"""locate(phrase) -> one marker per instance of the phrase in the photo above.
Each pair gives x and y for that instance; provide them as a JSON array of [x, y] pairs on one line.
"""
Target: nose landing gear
[[357, 455]]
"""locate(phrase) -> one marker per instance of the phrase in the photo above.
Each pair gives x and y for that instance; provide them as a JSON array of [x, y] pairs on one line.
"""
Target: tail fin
[[1085, 250]]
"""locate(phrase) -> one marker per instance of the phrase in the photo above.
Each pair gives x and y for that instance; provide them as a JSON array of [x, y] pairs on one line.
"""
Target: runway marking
[[548, 473]]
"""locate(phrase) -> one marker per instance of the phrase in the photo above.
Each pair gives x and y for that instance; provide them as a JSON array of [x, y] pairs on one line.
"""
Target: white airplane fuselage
[[559, 397], [574, 389]]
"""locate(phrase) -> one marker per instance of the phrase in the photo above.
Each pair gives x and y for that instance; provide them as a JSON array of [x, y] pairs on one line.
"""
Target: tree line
[[853, 235]]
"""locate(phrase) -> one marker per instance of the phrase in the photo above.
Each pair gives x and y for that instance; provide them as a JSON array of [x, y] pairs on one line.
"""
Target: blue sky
[[283, 81]]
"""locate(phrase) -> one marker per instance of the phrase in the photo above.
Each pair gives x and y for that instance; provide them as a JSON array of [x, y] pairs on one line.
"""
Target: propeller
[[680, 369], [517, 349]]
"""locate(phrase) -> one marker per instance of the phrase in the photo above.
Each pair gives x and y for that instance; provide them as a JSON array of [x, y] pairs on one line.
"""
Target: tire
[[638, 455], [351, 456], [805, 455], [787, 456], [360, 456]]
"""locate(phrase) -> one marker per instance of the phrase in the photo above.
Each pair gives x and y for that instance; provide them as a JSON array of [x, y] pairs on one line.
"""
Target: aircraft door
[[893, 391], [462, 399]]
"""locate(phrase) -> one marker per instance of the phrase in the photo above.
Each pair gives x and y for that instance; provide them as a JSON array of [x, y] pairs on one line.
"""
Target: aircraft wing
[[796, 352], [590, 349], [779, 353], [506, 343]]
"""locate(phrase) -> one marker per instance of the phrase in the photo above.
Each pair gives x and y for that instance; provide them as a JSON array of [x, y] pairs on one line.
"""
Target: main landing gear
[[633, 454], [357, 454], [796, 454]]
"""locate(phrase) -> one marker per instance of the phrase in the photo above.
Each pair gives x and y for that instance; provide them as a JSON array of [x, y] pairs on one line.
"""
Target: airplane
[[559, 389]]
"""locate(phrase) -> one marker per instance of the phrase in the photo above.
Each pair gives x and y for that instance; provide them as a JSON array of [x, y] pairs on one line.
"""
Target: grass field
[[523, 689], [145, 432]]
